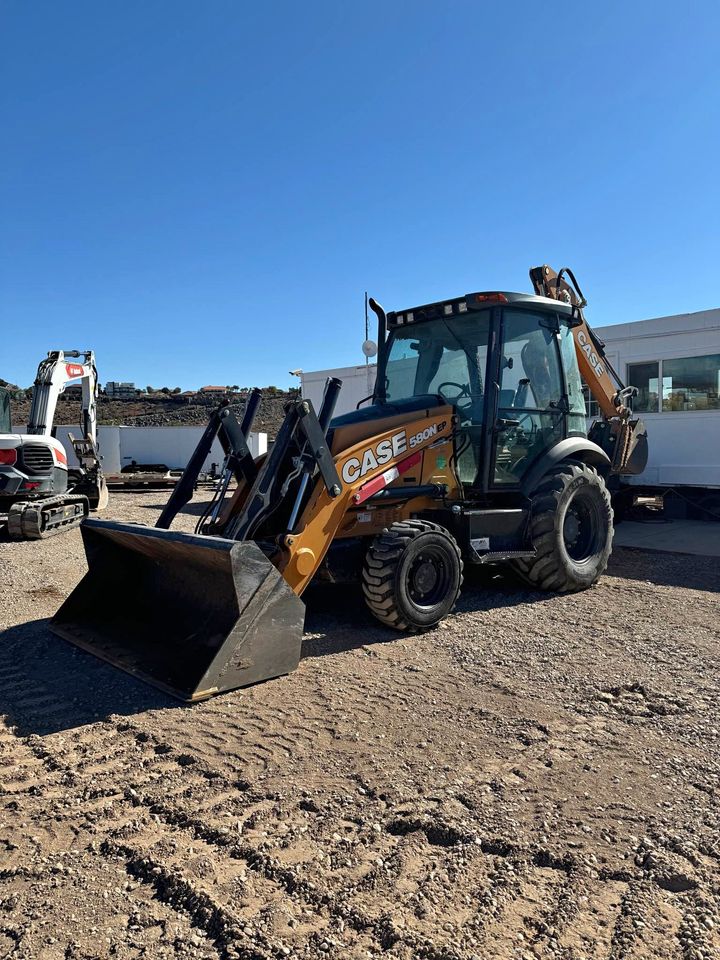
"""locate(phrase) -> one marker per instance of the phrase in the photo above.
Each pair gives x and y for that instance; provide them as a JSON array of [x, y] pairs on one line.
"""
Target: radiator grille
[[37, 458]]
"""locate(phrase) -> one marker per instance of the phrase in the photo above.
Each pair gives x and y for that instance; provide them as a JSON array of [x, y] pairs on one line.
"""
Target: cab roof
[[472, 302]]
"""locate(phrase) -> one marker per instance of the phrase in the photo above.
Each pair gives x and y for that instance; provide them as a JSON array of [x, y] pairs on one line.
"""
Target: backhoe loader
[[473, 450]]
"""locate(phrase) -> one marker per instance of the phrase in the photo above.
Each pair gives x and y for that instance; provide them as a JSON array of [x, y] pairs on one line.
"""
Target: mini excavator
[[43, 495]]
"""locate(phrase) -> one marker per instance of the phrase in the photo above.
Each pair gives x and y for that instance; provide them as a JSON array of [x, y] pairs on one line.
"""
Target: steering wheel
[[464, 389], [521, 417]]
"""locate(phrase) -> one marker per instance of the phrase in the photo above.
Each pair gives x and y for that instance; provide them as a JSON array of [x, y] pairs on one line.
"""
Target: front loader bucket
[[193, 615]]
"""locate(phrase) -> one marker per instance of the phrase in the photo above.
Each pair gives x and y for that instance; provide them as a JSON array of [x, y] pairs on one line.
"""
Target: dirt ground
[[540, 777]]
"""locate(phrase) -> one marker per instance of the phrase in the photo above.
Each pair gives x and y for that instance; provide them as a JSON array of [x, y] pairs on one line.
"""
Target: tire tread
[[378, 578]]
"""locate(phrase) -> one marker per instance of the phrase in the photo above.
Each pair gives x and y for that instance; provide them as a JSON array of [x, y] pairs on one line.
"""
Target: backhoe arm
[[603, 382], [623, 439]]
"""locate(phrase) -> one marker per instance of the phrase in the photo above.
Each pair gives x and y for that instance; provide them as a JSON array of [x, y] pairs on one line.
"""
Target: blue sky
[[202, 191]]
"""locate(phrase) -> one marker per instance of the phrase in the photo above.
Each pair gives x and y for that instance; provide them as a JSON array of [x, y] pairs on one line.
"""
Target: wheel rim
[[428, 578], [583, 529]]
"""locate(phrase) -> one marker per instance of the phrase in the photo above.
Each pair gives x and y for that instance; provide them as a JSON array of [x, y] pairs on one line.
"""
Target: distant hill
[[158, 410]]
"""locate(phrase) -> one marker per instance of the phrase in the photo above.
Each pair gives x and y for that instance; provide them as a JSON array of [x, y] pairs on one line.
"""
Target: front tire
[[572, 530], [412, 575]]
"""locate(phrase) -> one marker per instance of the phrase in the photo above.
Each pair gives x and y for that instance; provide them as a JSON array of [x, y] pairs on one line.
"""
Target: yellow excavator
[[473, 450]]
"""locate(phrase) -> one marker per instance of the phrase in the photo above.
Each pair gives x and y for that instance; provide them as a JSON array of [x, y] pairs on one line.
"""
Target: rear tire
[[412, 575], [572, 530]]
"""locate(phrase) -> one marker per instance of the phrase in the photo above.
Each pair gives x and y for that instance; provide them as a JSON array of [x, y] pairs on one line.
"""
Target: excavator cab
[[473, 450]]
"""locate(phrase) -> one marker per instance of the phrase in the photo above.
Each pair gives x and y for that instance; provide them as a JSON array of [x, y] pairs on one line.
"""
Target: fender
[[572, 448]]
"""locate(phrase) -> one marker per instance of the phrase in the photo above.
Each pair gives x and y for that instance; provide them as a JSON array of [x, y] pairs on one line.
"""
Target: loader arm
[[338, 483]]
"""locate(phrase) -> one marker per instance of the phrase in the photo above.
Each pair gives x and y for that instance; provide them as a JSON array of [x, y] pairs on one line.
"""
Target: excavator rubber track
[[41, 519]]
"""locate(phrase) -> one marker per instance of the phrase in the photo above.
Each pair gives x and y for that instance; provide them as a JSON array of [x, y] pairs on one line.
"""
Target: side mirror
[[369, 348]]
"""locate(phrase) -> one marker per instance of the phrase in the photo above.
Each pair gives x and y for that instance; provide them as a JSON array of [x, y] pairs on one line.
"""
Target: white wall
[[684, 446], [174, 445], [358, 383], [694, 334], [170, 445], [108, 442]]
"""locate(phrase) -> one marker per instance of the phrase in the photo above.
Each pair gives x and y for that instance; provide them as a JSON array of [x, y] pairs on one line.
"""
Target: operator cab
[[513, 403]]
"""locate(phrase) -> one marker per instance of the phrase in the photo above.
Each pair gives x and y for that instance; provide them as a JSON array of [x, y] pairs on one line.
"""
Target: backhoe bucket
[[95, 489], [193, 615]]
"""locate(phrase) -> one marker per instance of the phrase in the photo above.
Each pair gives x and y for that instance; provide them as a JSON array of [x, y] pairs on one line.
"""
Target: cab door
[[531, 397]]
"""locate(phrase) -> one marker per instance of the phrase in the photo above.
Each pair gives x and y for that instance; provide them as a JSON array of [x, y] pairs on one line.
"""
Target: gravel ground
[[539, 777]]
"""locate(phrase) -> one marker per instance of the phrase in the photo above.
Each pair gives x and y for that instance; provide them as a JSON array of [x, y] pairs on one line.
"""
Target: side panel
[[434, 467], [385, 455], [684, 449]]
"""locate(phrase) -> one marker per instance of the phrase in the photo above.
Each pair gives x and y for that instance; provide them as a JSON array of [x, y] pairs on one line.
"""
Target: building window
[[592, 407], [691, 383], [688, 383], [646, 377]]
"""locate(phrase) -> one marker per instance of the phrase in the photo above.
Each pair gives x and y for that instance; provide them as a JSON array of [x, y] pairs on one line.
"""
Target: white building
[[358, 384], [675, 364], [173, 446]]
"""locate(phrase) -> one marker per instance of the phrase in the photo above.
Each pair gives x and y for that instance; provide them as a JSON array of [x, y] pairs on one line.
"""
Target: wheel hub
[[583, 526], [571, 528], [425, 576]]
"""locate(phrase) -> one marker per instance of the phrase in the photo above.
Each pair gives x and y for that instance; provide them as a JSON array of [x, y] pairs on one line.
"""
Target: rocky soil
[[160, 411], [540, 777]]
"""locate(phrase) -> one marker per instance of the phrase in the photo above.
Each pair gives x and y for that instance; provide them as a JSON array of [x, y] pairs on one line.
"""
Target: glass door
[[531, 400]]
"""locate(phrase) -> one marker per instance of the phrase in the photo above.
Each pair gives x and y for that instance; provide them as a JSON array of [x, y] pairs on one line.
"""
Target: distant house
[[120, 390], [213, 389]]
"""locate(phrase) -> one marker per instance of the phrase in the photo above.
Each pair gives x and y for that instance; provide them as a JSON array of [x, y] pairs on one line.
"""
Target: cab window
[[445, 356]]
